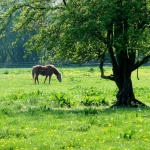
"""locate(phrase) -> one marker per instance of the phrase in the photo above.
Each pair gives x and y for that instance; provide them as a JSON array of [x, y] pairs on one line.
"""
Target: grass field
[[74, 114]]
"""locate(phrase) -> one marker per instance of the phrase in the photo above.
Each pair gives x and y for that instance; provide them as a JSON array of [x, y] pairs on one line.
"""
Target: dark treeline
[[12, 48]]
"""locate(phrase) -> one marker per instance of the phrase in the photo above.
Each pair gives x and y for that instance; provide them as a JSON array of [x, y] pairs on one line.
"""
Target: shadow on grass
[[79, 111]]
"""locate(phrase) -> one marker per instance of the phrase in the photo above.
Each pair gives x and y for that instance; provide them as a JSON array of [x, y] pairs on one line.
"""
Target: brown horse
[[47, 70]]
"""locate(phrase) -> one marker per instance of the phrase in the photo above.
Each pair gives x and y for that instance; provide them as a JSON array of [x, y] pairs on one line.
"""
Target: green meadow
[[74, 114]]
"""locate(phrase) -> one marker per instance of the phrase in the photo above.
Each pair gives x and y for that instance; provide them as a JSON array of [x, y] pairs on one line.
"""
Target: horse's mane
[[55, 69]]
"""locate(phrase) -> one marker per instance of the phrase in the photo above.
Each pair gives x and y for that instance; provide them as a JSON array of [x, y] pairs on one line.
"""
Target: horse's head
[[59, 77]]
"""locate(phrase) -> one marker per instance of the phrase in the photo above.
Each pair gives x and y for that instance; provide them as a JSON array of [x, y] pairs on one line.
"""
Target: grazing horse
[[47, 70]]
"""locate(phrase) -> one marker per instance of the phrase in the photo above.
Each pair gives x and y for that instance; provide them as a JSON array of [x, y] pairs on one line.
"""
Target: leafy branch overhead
[[79, 25]]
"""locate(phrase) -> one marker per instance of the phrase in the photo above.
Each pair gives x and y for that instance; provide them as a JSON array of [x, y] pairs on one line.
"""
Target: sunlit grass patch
[[74, 114]]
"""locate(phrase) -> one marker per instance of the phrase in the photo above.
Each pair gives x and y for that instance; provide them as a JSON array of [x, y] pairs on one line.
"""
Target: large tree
[[87, 29]]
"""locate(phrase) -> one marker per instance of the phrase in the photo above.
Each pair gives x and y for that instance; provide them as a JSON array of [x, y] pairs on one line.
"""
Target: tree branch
[[27, 5], [140, 63], [110, 49], [102, 60], [64, 1], [107, 77]]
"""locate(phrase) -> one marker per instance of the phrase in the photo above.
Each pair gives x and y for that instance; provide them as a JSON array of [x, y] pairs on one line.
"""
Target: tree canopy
[[83, 30]]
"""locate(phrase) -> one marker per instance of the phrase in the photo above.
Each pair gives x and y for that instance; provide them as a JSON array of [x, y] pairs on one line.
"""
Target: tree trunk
[[125, 95], [122, 78]]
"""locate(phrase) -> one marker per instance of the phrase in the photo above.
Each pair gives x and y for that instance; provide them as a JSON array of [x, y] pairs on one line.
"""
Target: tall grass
[[74, 114]]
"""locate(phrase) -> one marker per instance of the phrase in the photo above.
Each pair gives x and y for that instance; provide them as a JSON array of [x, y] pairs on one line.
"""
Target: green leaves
[[78, 30]]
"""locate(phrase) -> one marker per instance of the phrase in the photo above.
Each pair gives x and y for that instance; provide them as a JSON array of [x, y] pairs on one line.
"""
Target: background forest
[[14, 52]]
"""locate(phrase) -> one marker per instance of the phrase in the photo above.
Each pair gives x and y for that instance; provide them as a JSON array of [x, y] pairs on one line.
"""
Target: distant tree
[[84, 30], [12, 48]]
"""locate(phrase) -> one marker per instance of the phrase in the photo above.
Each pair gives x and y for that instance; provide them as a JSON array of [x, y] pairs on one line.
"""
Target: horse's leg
[[36, 79], [45, 79], [49, 79]]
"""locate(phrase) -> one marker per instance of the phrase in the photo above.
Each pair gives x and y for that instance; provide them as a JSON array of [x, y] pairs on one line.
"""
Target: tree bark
[[125, 95]]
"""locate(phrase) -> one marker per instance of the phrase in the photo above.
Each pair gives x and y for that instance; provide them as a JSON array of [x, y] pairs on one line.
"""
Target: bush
[[61, 99], [6, 72], [94, 101]]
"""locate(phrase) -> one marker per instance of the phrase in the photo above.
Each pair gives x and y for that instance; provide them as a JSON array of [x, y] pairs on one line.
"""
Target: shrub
[[91, 70], [6, 72], [90, 110], [61, 99], [94, 101]]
